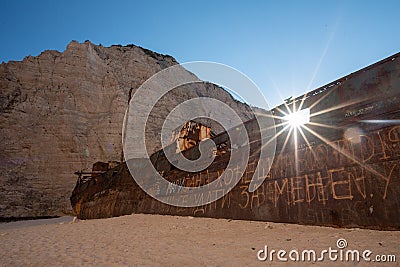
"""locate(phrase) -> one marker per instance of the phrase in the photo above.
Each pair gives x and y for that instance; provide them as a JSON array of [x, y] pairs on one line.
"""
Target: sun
[[298, 118]]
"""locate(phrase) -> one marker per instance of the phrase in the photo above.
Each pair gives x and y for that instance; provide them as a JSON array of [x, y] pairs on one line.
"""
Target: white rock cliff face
[[61, 112]]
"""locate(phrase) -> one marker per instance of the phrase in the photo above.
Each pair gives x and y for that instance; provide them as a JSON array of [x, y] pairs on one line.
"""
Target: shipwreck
[[337, 162]]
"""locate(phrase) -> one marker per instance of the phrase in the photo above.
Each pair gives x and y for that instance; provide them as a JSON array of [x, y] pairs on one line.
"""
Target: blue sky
[[286, 47]]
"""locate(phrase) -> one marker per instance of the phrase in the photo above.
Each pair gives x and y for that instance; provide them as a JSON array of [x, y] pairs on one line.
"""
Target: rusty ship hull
[[342, 169]]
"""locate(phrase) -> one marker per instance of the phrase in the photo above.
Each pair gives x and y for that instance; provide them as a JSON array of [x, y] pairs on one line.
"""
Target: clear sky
[[286, 47]]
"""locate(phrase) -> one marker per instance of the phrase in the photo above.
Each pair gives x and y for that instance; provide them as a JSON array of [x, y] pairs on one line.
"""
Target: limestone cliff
[[60, 112]]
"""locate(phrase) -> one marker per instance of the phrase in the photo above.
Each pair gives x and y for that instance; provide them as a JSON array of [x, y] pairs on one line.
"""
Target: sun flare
[[298, 118]]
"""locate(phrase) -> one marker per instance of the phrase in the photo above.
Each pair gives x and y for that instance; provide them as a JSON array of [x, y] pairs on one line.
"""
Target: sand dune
[[154, 240]]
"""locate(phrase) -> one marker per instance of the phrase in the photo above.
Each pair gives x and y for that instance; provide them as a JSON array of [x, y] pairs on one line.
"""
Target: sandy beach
[[154, 240]]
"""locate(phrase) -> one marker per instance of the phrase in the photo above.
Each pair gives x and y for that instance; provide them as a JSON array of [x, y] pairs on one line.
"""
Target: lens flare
[[298, 118]]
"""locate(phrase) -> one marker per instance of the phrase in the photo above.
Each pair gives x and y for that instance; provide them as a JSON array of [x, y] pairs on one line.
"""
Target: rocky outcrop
[[60, 112]]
